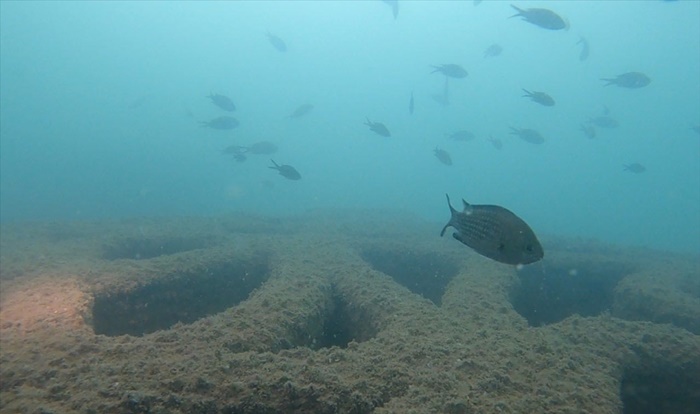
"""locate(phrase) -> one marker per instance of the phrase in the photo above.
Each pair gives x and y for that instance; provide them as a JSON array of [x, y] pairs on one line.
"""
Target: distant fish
[[277, 42], [461, 135], [221, 123], [696, 128], [604, 121], [222, 101], [588, 130], [286, 171], [257, 148], [495, 142], [528, 135], [495, 232], [493, 50], [539, 97], [301, 111], [543, 18], [394, 4], [635, 168], [584, 49], [410, 105], [378, 128], [629, 80], [451, 70], [443, 156]]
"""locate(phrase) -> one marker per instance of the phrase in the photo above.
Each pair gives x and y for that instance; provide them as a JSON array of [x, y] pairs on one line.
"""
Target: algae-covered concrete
[[336, 312]]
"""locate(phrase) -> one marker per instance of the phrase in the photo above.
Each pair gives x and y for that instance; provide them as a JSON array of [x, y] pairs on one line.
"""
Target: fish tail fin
[[519, 11], [453, 212], [527, 93], [608, 80], [276, 167]]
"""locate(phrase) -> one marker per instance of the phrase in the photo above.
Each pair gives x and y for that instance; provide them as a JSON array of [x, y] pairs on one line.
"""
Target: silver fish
[[494, 232]]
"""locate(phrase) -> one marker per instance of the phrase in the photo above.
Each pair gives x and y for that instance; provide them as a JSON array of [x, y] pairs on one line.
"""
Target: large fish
[[451, 70], [222, 101], [286, 171], [539, 97], [630, 80], [494, 232], [543, 18], [378, 128], [221, 123]]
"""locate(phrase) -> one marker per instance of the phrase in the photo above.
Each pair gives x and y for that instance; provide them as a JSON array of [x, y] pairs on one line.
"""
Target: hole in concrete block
[[343, 324], [663, 389], [554, 293], [177, 298], [147, 248], [425, 274]]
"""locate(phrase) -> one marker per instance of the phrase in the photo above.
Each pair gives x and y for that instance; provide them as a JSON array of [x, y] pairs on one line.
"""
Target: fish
[[494, 232], [451, 70], [539, 97], [635, 168], [222, 101], [495, 142], [493, 50], [257, 148], [378, 128], [221, 123], [410, 105], [443, 156], [588, 130], [528, 135], [585, 50], [543, 18], [604, 121], [277, 42], [696, 128], [461, 135], [301, 111], [394, 4], [286, 171], [629, 80]]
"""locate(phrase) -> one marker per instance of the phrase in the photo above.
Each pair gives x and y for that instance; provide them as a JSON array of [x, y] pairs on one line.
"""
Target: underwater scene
[[380, 206]]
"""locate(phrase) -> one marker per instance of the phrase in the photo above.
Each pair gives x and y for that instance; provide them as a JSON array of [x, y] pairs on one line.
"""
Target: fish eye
[[528, 247]]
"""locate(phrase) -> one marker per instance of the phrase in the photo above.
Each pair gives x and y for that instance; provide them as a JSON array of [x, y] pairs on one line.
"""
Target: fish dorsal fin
[[467, 207]]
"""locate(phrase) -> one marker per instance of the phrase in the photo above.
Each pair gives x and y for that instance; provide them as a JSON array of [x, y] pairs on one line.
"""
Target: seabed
[[337, 312]]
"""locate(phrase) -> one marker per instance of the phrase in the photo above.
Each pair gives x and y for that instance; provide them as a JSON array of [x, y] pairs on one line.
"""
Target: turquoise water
[[101, 103]]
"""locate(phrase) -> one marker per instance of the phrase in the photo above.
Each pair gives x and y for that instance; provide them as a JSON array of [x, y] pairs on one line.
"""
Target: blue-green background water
[[100, 103]]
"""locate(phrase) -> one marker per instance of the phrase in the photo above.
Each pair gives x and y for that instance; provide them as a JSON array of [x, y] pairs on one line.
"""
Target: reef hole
[[146, 248], [426, 274], [182, 297], [343, 323], [661, 389], [551, 294]]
